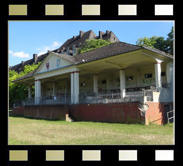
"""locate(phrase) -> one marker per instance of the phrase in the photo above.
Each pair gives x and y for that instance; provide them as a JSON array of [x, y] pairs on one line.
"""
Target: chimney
[[107, 32], [81, 33], [100, 34], [35, 58], [22, 63]]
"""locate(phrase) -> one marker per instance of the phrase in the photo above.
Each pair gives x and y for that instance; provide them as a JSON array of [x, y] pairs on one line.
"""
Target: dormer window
[[68, 51], [73, 50], [79, 44]]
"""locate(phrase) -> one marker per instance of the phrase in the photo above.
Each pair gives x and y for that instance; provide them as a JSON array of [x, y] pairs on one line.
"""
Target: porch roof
[[25, 76], [101, 53], [112, 50], [106, 51]]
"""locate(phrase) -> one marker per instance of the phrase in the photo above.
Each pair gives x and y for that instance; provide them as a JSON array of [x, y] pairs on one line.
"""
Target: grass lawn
[[23, 131]]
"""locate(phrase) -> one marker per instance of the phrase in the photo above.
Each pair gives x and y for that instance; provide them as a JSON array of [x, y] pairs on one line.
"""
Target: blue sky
[[29, 37]]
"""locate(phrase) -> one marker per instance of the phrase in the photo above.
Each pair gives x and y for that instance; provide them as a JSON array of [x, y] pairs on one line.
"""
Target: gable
[[53, 62]]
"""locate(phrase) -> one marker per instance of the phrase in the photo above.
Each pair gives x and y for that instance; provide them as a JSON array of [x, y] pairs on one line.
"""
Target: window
[[163, 73], [104, 81], [62, 87], [128, 78], [83, 84], [148, 75], [74, 50]]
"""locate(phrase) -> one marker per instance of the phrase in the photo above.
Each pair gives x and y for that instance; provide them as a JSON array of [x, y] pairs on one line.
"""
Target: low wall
[[113, 113], [19, 111], [155, 113], [47, 111]]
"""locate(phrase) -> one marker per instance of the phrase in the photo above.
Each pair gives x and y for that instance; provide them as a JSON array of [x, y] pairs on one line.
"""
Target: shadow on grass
[[21, 116], [14, 115]]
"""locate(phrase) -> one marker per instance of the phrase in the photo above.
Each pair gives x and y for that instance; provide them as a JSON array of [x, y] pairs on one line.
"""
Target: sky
[[36, 37]]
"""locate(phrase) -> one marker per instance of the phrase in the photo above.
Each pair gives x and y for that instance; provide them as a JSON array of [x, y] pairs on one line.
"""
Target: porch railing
[[89, 98], [18, 103], [48, 100], [110, 97]]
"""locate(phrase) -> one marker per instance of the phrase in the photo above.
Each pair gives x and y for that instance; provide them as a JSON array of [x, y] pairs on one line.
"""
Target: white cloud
[[44, 49], [10, 52], [42, 52], [55, 44], [20, 54]]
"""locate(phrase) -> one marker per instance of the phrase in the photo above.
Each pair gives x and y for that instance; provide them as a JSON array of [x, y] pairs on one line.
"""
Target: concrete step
[[68, 118]]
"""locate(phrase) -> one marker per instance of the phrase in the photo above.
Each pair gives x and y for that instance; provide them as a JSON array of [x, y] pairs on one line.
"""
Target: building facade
[[113, 74], [69, 47]]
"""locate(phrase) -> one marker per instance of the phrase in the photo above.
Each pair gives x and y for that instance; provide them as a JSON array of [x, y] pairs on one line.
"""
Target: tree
[[93, 44], [169, 42], [158, 42], [17, 91]]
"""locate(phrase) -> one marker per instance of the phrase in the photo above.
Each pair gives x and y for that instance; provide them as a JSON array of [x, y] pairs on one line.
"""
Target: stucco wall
[[53, 63], [112, 80]]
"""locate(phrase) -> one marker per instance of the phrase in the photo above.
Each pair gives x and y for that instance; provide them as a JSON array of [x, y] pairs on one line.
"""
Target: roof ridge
[[131, 44], [91, 31], [156, 50], [64, 56]]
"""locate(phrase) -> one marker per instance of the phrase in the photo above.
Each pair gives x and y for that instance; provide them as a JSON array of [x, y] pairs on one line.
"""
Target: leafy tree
[[158, 42], [17, 91], [169, 42], [91, 44], [145, 40]]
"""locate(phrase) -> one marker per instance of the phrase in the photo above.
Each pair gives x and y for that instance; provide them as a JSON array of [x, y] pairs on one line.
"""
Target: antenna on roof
[[81, 33]]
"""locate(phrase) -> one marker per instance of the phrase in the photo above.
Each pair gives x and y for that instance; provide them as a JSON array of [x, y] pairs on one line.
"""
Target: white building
[[116, 73], [116, 68]]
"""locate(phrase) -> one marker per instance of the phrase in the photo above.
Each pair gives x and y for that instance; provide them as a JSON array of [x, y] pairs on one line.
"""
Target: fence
[[18, 103], [170, 116], [110, 97], [48, 100], [88, 98]]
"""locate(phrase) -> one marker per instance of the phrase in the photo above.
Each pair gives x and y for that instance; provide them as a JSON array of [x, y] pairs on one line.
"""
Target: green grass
[[23, 131]]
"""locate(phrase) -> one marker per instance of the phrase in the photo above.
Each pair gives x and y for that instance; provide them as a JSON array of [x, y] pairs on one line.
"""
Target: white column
[[38, 91], [29, 91], [158, 74], [169, 76], [76, 87], [95, 83], [169, 72], [122, 82], [72, 87]]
